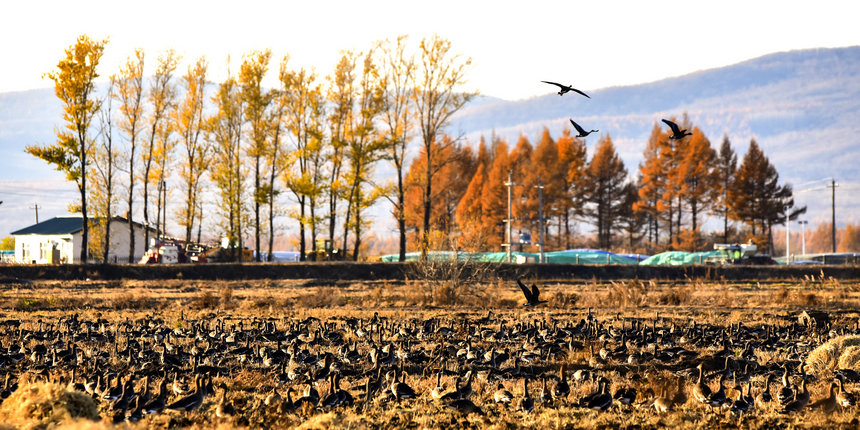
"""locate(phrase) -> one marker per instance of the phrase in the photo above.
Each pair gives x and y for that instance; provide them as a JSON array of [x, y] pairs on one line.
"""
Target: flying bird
[[677, 133], [532, 296], [565, 89], [581, 131]]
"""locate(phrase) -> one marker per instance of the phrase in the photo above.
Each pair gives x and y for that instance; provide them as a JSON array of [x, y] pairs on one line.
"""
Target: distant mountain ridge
[[802, 107]]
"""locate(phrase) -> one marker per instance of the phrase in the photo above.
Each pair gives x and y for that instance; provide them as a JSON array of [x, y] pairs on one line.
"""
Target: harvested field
[[256, 347]]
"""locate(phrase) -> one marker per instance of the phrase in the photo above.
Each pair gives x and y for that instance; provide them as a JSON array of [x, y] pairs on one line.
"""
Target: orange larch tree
[[698, 177], [605, 190], [572, 159]]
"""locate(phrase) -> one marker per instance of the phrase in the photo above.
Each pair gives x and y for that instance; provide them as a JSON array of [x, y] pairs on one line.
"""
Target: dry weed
[[43, 405], [829, 355]]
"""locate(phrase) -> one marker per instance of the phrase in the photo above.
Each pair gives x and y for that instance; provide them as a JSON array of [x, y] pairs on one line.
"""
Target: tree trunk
[[401, 216], [302, 243], [425, 229], [256, 209]]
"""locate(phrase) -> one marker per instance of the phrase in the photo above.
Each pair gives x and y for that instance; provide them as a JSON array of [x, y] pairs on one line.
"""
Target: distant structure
[[58, 241]]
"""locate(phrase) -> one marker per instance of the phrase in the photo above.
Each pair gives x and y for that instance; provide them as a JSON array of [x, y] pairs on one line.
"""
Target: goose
[[401, 390], [829, 403], [563, 89], [602, 401], [701, 391], [718, 398], [740, 405], [191, 401], [662, 403], [502, 395], [581, 131], [786, 393], [561, 389], [677, 133], [465, 406], [224, 408], [437, 391], [764, 397], [532, 296], [845, 399], [526, 402]]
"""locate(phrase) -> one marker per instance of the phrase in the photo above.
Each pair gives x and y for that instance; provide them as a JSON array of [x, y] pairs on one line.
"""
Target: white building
[[58, 240]]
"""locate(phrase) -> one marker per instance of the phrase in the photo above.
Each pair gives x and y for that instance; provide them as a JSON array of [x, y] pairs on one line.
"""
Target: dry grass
[[179, 303], [43, 405], [841, 352]]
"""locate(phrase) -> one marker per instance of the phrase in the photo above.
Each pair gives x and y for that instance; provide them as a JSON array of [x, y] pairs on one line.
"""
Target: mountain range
[[802, 107]]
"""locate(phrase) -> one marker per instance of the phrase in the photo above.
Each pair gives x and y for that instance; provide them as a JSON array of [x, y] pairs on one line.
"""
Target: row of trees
[[317, 140], [678, 183]]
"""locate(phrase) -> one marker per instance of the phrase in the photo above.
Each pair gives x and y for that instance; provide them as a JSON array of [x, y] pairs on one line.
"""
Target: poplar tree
[[130, 96], [397, 69], [226, 171], [161, 97], [304, 116], [256, 101], [365, 147], [105, 160], [189, 123], [74, 83], [340, 97], [436, 97]]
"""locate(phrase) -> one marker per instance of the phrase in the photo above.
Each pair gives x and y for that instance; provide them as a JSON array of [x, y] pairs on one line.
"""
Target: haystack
[[841, 352], [41, 405]]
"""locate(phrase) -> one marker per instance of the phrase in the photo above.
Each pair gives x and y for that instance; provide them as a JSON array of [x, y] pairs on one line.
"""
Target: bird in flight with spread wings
[[562, 89], [677, 133], [581, 131], [532, 296]]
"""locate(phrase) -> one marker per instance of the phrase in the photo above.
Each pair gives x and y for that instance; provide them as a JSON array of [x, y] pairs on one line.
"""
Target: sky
[[513, 45]]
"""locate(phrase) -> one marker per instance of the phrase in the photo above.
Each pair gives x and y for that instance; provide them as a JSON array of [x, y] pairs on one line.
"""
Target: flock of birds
[[677, 132], [135, 368]]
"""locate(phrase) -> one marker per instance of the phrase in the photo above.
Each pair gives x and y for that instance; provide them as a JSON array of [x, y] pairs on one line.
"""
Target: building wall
[[37, 247]]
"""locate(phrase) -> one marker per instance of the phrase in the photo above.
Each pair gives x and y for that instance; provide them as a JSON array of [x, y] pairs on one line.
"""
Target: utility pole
[[509, 228], [787, 238], [833, 186], [803, 235], [540, 188], [36, 208]]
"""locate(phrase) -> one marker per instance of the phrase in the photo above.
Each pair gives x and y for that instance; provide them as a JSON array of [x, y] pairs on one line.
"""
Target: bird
[[701, 391], [828, 404], [580, 130], [677, 133], [533, 296], [562, 89], [526, 402], [502, 395]]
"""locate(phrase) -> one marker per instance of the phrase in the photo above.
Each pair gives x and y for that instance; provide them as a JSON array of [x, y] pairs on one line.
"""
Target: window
[[25, 252]]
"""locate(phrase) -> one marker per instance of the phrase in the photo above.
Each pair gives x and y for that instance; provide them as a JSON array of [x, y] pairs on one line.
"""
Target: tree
[[364, 149], [605, 183], [572, 156], [756, 197], [697, 176], [453, 168], [274, 157], [189, 123], [130, 96], [104, 176], [494, 195], [256, 102], [653, 183], [470, 214], [305, 103], [726, 166], [436, 98], [341, 97], [397, 69], [850, 239], [226, 171], [74, 82], [161, 96], [7, 244]]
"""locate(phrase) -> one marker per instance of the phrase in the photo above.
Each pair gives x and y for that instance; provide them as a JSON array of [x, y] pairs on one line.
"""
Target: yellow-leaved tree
[[74, 83]]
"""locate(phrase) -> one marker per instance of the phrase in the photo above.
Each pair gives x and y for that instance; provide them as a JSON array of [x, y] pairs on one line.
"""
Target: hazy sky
[[513, 44]]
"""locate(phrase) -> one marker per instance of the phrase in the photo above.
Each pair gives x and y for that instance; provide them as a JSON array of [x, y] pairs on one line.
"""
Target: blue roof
[[56, 225], [62, 225]]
